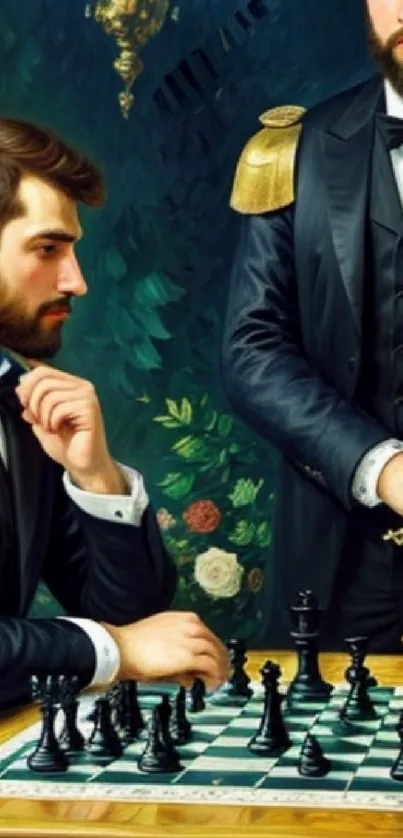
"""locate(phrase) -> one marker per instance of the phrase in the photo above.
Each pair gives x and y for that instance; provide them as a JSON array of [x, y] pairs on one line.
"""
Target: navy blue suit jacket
[[293, 338]]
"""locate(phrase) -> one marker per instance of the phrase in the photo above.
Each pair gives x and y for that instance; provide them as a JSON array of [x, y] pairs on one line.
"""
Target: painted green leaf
[[263, 534], [225, 425], [186, 412], [167, 421], [170, 478], [243, 533], [173, 408], [245, 492], [191, 448], [210, 419], [180, 487]]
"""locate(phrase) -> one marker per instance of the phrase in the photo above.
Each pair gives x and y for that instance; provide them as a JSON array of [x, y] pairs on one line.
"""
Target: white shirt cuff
[[366, 477], [128, 509], [107, 654]]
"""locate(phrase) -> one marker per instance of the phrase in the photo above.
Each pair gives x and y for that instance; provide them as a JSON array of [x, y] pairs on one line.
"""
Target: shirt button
[[118, 514]]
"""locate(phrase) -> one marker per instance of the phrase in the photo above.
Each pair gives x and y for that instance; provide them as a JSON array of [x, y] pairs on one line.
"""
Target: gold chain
[[394, 535]]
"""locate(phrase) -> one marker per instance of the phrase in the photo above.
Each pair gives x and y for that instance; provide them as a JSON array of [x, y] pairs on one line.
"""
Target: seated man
[[70, 514]]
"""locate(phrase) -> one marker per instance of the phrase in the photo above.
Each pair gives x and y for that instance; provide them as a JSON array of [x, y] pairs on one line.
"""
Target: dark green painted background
[[157, 257]]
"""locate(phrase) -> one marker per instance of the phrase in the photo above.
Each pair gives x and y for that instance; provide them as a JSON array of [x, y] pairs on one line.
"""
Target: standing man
[[313, 349], [69, 513]]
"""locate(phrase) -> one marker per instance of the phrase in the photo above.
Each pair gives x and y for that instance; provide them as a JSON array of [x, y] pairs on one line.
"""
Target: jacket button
[[352, 363]]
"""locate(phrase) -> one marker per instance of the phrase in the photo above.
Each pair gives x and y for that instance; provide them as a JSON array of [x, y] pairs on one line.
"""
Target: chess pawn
[[312, 761], [104, 743], [156, 757], [308, 684]]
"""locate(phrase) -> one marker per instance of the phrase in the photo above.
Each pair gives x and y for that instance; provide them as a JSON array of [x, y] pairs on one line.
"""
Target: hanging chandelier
[[132, 23]]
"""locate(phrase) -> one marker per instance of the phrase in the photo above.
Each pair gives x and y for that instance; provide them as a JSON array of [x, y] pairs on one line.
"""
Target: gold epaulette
[[264, 179]]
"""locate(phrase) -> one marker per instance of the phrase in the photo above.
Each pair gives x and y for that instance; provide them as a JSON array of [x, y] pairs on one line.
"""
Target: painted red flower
[[202, 516]]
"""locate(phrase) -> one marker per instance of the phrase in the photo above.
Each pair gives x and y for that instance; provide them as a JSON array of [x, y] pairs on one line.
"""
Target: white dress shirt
[[364, 487], [126, 509]]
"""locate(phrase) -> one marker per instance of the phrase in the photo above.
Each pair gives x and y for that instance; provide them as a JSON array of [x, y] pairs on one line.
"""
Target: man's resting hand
[[173, 645]]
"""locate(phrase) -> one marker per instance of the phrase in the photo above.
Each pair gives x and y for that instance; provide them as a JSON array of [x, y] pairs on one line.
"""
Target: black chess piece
[[104, 743], [47, 758], [308, 684], [396, 772], [197, 695], [165, 714], [238, 684], [358, 706], [130, 719], [358, 647], [156, 757], [114, 696], [179, 725], [271, 738], [71, 740], [312, 761]]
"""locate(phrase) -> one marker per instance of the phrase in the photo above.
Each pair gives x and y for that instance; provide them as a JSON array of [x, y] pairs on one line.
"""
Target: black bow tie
[[392, 130]]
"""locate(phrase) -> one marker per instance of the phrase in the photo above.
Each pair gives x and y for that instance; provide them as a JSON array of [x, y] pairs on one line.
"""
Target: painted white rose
[[218, 573]]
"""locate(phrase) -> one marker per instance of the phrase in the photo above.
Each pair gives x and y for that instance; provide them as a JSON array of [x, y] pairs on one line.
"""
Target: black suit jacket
[[98, 569], [293, 339]]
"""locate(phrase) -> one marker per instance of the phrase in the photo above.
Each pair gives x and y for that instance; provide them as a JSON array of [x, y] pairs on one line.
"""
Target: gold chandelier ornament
[[132, 23]]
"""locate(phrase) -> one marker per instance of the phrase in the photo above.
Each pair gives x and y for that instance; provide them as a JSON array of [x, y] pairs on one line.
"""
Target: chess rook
[[47, 758], [308, 684]]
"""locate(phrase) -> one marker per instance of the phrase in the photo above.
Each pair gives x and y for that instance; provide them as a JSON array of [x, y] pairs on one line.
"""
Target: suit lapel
[[347, 147]]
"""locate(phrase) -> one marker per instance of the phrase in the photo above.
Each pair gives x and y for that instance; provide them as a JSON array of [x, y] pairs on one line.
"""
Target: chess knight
[[313, 344]]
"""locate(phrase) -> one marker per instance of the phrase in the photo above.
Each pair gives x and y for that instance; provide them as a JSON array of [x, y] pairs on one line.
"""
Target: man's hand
[[66, 418], [173, 645], [390, 484]]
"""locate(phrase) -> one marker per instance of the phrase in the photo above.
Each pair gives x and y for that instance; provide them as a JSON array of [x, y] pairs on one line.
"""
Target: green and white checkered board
[[218, 768]]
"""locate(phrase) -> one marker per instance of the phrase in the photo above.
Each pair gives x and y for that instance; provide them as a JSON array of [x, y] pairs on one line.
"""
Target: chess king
[[69, 513], [313, 345]]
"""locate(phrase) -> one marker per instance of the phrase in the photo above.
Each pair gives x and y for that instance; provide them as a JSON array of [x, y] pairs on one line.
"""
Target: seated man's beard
[[26, 335], [387, 64]]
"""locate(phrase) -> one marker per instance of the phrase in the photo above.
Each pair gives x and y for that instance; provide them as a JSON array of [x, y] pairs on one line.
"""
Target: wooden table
[[104, 819]]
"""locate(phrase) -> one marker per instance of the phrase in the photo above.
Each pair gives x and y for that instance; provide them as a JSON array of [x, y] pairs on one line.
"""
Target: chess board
[[218, 768]]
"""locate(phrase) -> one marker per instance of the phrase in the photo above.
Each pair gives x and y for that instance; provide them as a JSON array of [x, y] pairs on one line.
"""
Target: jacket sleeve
[[267, 376], [107, 570], [38, 647]]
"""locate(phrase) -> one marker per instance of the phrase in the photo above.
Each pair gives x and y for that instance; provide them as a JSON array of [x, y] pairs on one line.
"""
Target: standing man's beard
[[25, 334], [387, 64]]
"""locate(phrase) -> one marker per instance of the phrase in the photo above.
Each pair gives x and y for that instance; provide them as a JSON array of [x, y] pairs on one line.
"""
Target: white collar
[[394, 102]]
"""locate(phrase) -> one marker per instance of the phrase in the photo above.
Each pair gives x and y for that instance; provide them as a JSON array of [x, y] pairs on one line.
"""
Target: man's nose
[[70, 279]]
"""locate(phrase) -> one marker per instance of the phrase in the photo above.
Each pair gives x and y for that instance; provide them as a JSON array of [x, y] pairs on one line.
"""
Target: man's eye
[[47, 249]]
